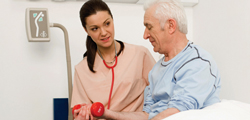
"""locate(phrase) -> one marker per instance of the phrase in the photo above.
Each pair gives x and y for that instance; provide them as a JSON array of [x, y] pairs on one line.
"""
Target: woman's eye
[[107, 24], [94, 29]]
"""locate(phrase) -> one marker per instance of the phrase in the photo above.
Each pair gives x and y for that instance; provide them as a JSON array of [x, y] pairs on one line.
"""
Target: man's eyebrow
[[147, 25]]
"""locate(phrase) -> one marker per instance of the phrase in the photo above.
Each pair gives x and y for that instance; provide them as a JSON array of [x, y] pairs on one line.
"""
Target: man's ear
[[172, 25]]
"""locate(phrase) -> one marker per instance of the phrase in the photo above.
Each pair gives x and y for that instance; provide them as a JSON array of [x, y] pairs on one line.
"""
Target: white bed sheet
[[225, 110]]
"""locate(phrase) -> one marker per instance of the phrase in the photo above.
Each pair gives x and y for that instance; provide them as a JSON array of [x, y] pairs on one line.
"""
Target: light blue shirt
[[190, 80]]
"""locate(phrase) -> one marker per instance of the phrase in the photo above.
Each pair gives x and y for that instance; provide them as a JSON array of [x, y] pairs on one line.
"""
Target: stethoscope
[[113, 73]]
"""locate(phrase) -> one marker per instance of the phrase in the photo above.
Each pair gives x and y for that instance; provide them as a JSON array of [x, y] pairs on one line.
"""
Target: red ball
[[78, 106], [97, 109]]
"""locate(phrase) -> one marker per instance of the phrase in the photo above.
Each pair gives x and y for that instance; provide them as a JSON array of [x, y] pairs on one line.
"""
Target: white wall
[[32, 74], [222, 27]]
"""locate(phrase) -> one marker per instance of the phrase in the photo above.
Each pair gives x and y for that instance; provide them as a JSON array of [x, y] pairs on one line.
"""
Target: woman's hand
[[83, 113]]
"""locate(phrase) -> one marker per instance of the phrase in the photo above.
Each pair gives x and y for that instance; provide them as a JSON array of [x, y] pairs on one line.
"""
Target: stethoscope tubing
[[113, 77]]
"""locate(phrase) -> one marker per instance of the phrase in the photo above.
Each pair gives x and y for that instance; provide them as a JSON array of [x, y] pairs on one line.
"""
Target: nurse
[[112, 72]]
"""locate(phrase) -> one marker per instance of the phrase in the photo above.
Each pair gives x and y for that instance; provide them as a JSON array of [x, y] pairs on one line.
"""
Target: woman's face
[[100, 28]]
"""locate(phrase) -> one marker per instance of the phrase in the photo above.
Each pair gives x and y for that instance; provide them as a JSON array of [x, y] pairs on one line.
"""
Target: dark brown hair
[[89, 8]]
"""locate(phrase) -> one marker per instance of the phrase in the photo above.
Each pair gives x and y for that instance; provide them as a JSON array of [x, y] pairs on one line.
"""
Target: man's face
[[153, 31]]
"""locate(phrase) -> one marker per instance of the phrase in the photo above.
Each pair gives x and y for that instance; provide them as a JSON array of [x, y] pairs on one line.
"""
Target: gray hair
[[166, 9]]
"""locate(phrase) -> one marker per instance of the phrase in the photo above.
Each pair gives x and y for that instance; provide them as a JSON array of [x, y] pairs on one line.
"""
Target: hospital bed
[[225, 110]]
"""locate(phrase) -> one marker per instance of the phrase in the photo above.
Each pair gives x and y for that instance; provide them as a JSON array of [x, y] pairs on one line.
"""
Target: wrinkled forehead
[[150, 12], [149, 16]]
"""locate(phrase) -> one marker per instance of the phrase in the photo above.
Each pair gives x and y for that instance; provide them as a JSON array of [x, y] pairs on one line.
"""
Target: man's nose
[[146, 34]]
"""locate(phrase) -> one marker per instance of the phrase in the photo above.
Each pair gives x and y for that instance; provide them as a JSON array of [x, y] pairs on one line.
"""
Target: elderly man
[[185, 78]]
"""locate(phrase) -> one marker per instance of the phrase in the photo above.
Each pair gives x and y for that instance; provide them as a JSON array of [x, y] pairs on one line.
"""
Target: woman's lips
[[105, 39]]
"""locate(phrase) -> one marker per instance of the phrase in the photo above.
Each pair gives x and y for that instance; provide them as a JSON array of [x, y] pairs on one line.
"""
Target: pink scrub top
[[131, 78]]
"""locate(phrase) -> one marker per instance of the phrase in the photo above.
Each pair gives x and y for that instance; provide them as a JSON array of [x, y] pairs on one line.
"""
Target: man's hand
[[166, 113], [108, 114]]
